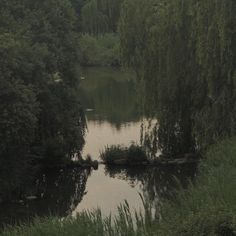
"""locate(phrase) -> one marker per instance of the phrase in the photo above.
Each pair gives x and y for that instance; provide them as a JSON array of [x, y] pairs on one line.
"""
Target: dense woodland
[[41, 119]]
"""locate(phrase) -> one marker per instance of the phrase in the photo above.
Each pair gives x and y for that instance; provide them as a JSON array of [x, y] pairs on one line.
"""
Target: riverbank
[[208, 207]]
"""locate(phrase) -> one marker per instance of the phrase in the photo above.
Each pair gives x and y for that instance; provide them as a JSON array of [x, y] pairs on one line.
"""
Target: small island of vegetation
[[120, 155]]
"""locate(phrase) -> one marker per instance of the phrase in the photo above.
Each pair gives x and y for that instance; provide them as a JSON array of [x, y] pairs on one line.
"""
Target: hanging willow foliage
[[100, 16], [184, 53]]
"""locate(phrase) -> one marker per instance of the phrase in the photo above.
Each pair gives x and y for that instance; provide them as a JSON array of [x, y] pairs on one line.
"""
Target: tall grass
[[207, 207], [88, 223]]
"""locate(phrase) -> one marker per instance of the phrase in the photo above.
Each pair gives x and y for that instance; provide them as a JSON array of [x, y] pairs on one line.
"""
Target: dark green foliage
[[119, 155], [113, 153], [18, 117], [102, 50], [98, 21], [64, 121], [41, 119], [97, 17], [100, 16], [136, 154], [112, 93], [216, 57], [40, 48], [18, 120], [184, 56]]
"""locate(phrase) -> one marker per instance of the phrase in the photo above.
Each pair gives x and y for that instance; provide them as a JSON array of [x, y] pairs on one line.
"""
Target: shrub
[[113, 153], [117, 154], [136, 154]]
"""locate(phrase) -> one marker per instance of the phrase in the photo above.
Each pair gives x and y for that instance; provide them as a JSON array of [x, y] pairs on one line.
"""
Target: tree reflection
[[156, 182], [110, 95], [55, 193]]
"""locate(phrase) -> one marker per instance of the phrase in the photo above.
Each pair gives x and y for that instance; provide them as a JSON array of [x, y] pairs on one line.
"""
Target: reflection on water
[[101, 134], [107, 193], [55, 193], [110, 186], [155, 182], [113, 117], [109, 95]]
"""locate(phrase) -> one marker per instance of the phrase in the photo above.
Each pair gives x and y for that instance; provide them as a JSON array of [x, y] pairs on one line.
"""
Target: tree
[[100, 16], [184, 54], [41, 116]]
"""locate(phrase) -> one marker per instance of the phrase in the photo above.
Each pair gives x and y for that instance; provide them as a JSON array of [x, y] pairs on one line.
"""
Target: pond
[[113, 117]]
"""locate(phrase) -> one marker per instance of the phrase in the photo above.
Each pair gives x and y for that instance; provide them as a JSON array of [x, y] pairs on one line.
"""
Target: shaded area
[[155, 182], [67, 192], [55, 193]]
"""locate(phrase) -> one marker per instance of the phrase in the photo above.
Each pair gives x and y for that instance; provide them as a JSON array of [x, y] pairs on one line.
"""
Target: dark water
[[113, 117]]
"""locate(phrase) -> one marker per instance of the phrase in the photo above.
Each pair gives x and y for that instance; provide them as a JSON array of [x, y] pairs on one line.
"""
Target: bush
[[18, 120], [117, 154], [113, 153], [136, 154]]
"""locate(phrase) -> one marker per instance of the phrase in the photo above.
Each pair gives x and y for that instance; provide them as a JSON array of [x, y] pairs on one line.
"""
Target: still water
[[113, 117]]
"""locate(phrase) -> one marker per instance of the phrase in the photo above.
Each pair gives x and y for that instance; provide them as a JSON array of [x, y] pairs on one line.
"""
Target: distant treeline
[[97, 20], [98, 16], [184, 53], [97, 24]]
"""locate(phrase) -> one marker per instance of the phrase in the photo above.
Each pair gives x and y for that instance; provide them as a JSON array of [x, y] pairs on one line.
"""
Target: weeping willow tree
[[215, 35], [100, 16], [184, 55]]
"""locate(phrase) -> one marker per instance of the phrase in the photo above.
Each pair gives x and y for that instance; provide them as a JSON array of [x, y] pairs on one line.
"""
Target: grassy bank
[[208, 207]]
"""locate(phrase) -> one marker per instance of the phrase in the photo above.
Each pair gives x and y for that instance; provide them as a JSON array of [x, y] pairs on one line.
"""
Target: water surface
[[113, 117]]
